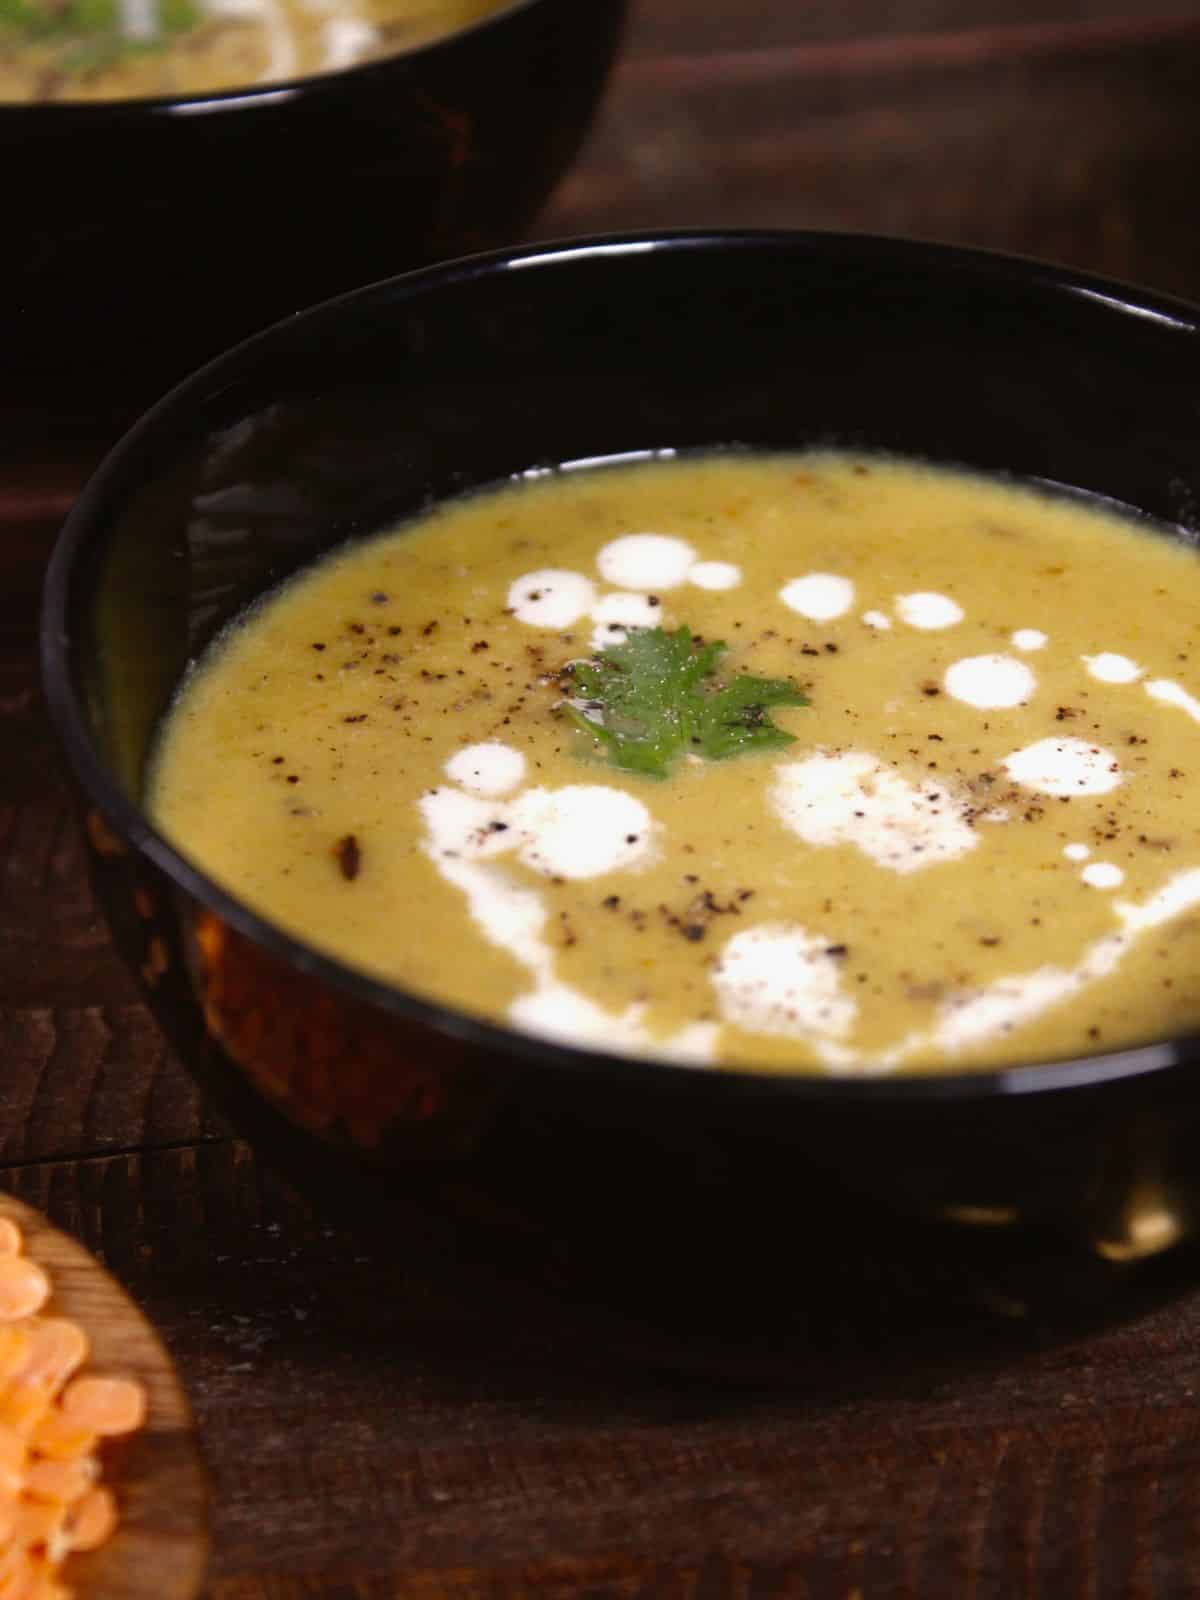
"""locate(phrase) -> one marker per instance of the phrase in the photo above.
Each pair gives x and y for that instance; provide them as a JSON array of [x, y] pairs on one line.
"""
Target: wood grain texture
[[706, 27], [160, 1549], [379, 1424], [374, 1430], [1074, 141]]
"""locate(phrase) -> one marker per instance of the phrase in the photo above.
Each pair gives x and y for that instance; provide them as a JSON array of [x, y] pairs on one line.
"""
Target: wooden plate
[[160, 1549]]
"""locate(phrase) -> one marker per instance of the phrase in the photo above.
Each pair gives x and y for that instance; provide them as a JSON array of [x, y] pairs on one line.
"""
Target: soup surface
[[980, 846], [138, 49]]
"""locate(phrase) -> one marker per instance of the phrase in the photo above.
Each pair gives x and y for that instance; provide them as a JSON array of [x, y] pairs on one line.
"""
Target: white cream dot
[[581, 831], [551, 598], [1076, 852], [1064, 767], [487, 769], [463, 826], [1102, 875], [615, 614], [347, 40], [877, 619], [928, 610], [854, 798], [1110, 668], [992, 683], [779, 979], [820, 596], [646, 561], [1029, 639], [1174, 694], [715, 575]]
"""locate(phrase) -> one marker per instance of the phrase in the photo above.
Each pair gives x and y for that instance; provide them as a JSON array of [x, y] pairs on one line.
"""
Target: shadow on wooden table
[[580, 1258]]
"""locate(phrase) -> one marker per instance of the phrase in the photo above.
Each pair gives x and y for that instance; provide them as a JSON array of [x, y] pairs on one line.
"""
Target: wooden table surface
[[371, 1429]]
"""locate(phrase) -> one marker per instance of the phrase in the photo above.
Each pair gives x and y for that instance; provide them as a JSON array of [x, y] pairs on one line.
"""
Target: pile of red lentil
[[53, 1419]]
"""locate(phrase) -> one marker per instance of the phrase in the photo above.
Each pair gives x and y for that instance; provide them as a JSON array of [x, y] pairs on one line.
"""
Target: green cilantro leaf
[[649, 701]]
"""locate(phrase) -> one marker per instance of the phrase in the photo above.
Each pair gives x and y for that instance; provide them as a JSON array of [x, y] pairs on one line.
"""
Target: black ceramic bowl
[[142, 237], [340, 421]]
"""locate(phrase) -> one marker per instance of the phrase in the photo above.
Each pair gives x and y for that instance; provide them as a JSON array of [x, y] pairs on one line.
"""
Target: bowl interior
[[360, 413]]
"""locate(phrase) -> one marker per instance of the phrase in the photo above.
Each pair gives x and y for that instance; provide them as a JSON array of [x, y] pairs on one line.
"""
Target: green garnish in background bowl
[[649, 701], [88, 34]]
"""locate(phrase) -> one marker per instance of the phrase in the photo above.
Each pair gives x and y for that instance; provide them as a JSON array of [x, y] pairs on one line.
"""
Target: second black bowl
[[141, 237]]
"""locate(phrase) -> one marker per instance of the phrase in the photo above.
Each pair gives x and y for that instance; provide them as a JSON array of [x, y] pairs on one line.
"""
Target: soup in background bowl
[[142, 50], [167, 198], [820, 358]]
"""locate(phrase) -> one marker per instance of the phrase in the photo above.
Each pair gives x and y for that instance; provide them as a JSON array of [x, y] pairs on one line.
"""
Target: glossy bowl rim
[[91, 773], [249, 97]]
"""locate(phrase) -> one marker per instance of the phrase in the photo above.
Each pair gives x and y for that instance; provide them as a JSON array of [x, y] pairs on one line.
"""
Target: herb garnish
[[88, 35], [648, 701]]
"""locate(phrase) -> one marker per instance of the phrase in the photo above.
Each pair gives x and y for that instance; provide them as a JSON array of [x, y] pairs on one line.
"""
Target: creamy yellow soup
[[139, 49], [980, 845]]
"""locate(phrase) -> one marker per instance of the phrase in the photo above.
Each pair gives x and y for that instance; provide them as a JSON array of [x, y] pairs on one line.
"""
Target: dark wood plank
[[704, 26], [1071, 145]]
